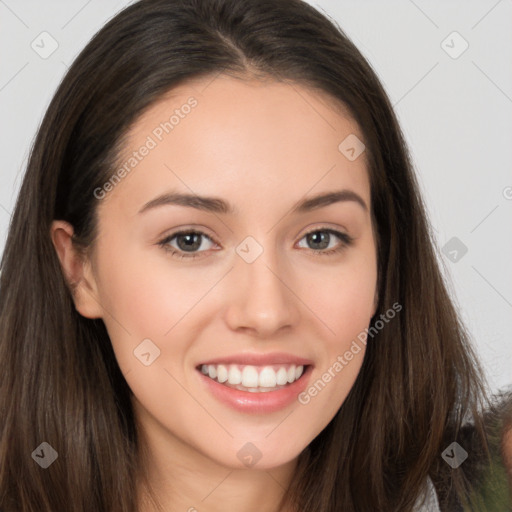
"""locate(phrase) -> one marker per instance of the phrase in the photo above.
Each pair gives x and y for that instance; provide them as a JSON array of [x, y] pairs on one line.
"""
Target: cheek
[[344, 306], [145, 294], [139, 303], [343, 301], [331, 385], [343, 297], [152, 298]]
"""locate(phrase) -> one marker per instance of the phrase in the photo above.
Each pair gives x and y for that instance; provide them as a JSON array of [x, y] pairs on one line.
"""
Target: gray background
[[455, 109]]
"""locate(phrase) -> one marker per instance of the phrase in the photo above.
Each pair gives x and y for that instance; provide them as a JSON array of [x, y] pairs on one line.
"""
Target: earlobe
[[77, 270]]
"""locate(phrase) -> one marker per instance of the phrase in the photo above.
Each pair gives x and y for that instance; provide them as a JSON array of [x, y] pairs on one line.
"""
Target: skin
[[262, 146]]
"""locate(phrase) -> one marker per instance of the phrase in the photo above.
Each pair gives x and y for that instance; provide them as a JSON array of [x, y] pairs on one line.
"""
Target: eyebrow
[[220, 206]]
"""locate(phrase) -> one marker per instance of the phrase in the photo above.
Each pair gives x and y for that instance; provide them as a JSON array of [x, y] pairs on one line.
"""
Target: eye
[[322, 238], [187, 242]]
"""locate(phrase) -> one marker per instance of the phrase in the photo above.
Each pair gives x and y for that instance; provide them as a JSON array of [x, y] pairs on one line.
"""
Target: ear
[[77, 271]]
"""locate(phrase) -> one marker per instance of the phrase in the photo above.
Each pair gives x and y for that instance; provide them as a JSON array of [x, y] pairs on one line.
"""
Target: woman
[[164, 347]]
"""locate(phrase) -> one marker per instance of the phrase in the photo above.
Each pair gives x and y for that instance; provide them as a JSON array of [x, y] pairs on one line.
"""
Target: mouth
[[252, 378], [255, 383]]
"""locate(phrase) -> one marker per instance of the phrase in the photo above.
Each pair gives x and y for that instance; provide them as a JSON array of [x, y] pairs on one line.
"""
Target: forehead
[[210, 134]]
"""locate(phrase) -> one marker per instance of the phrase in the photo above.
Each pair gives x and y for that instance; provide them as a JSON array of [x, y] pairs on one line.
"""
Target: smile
[[255, 379], [255, 383]]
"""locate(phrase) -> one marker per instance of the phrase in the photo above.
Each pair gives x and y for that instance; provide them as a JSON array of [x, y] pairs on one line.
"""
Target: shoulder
[[428, 502], [484, 470]]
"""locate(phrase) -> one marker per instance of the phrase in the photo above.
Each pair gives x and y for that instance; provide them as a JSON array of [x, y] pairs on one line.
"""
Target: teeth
[[255, 379], [267, 378], [282, 377], [250, 377], [234, 375], [222, 373]]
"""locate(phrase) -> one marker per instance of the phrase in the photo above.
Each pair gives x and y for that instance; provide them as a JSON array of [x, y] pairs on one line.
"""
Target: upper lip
[[259, 359]]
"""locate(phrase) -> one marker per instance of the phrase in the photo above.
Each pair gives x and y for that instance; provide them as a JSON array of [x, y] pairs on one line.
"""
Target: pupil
[[190, 243], [323, 239]]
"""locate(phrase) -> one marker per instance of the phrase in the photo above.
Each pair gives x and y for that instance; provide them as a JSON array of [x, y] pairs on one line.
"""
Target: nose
[[261, 298]]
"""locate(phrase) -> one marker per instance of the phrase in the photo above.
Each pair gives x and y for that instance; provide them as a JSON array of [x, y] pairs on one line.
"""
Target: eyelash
[[346, 241]]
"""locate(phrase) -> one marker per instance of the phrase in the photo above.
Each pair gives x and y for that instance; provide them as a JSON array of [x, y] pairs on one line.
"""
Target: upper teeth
[[253, 376]]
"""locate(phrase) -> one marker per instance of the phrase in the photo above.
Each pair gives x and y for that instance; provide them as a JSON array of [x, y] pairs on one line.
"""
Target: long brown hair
[[60, 381]]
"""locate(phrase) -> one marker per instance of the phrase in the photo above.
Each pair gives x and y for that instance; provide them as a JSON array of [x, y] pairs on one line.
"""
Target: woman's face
[[264, 287]]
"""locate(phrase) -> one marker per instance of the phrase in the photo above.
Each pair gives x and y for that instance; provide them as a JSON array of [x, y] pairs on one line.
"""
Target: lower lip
[[257, 403]]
